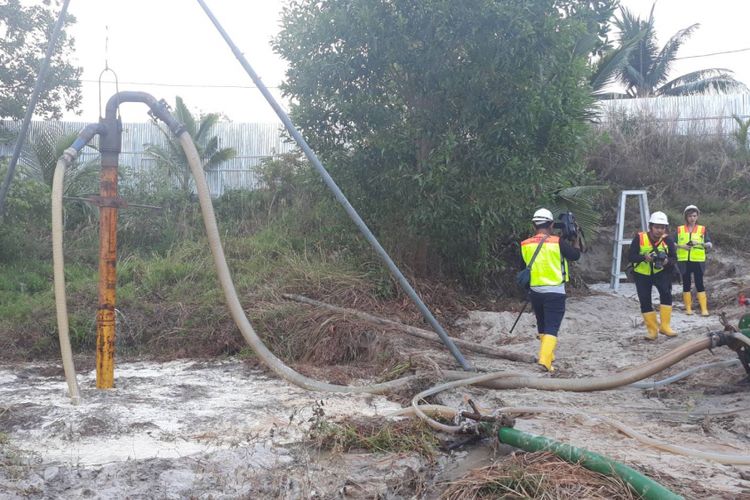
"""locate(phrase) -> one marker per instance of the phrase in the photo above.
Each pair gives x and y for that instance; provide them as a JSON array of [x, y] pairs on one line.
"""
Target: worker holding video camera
[[546, 257], [653, 255]]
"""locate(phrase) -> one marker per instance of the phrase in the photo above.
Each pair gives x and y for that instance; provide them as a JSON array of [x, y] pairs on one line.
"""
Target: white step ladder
[[617, 274]]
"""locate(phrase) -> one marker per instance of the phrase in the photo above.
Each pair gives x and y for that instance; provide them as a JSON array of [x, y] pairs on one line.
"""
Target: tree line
[[446, 123]]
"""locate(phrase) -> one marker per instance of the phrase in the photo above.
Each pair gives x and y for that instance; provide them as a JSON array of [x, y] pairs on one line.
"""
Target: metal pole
[[30, 109], [526, 303], [110, 146], [339, 194]]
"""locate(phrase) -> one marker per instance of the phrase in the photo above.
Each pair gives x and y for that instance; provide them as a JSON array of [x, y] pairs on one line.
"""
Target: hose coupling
[[481, 422], [69, 155], [162, 111], [501, 419], [489, 425], [719, 339]]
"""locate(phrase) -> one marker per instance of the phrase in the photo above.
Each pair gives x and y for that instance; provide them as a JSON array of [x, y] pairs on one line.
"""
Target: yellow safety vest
[[696, 253], [549, 267], [646, 248]]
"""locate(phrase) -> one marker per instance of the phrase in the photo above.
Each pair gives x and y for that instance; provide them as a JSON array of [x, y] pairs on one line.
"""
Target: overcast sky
[[173, 44]]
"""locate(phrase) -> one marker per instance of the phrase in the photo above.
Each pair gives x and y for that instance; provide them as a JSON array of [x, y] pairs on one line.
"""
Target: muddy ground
[[194, 429]]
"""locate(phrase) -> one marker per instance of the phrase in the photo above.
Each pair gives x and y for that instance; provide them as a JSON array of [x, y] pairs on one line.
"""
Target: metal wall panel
[[253, 142]]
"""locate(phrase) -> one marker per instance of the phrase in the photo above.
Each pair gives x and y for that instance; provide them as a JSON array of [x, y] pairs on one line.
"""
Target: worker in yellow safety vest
[[653, 255], [549, 273], [692, 243]]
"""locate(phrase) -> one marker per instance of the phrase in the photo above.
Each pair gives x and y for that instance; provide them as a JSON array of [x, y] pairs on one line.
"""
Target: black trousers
[[663, 283], [549, 309], [696, 269]]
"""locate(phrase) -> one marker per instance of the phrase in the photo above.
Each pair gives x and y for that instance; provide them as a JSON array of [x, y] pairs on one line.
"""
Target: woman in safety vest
[[692, 243], [653, 254], [549, 272]]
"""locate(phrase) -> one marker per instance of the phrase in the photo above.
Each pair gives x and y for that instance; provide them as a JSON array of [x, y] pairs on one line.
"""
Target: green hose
[[647, 488]]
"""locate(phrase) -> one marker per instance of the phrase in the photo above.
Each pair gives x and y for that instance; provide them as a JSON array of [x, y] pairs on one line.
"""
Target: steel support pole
[[105, 315], [353, 215]]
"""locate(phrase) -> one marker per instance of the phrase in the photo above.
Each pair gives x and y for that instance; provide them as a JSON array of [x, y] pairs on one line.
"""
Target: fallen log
[[416, 332]]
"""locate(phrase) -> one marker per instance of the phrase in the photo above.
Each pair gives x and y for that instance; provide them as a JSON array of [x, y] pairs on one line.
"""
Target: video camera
[[658, 259], [568, 226]]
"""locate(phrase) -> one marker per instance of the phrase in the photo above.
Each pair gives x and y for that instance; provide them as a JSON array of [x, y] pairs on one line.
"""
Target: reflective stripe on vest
[[646, 248], [696, 253], [549, 267]]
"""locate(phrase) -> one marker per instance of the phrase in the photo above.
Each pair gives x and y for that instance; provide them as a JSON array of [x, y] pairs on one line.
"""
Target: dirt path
[[183, 429], [603, 333]]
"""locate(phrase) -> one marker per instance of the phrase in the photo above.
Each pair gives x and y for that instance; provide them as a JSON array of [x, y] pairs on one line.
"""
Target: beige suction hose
[[235, 307], [502, 380], [741, 337], [59, 273], [505, 381]]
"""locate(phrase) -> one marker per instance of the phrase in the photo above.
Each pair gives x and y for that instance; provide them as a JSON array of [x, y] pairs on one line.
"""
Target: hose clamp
[[69, 155], [718, 339], [162, 111]]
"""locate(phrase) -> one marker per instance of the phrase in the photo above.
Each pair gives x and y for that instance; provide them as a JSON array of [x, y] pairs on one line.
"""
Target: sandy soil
[[602, 334], [221, 430]]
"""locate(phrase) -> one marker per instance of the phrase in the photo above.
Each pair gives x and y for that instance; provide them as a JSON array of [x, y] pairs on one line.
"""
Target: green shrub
[[445, 123]]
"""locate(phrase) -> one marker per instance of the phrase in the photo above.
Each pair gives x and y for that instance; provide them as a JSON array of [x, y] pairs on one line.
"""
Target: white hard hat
[[542, 215], [689, 208], [659, 218]]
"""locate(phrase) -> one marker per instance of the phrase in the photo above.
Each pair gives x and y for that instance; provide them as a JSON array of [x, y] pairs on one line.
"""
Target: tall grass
[[279, 238], [678, 165]]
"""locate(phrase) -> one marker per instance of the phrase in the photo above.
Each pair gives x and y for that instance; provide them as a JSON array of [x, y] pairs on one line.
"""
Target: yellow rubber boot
[[703, 301], [687, 298], [652, 325], [539, 337], [547, 351], [666, 317]]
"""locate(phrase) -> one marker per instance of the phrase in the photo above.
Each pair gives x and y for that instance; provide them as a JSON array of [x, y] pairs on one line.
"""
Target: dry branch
[[416, 332]]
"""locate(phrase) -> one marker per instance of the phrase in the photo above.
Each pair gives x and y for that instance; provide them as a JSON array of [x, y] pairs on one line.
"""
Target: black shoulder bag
[[523, 278]]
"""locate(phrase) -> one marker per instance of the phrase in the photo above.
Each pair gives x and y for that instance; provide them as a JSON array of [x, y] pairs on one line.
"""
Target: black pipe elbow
[[126, 96], [158, 108], [85, 135]]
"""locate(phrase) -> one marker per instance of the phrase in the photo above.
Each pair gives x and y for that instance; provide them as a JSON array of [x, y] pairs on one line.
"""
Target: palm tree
[[173, 158], [645, 70], [39, 161], [580, 201]]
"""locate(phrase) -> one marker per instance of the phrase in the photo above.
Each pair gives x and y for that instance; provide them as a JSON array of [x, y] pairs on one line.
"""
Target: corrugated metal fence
[[254, 142], [698, 114]]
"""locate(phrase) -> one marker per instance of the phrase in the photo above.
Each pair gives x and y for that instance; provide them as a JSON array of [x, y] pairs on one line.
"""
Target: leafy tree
[[447, 121], [173, 158], [646, 72], [25, 33]]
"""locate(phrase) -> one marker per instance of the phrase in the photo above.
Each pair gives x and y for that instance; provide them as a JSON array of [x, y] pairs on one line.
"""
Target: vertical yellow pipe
[[105, 316]]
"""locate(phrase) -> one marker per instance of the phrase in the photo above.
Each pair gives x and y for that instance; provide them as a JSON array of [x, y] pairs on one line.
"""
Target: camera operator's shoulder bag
[[523, 278]]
